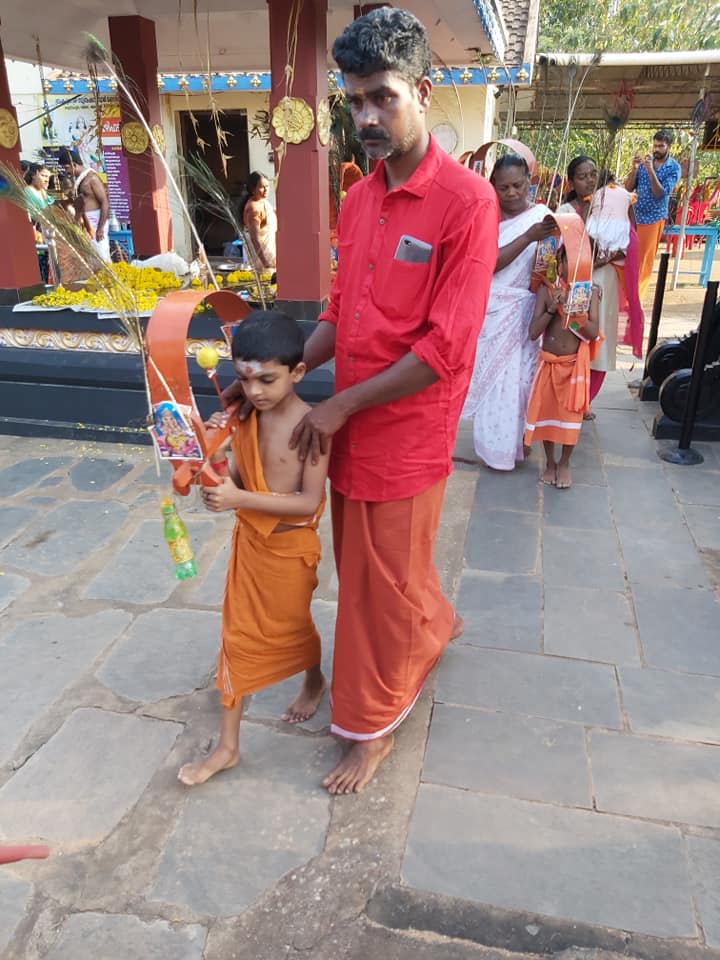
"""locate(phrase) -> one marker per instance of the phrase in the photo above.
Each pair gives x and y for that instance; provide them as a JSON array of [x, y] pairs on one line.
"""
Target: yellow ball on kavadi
[[207, 358]]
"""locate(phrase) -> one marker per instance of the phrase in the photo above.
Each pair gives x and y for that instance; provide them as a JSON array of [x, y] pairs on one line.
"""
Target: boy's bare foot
[[222, 758], [549, 475], [358, 766], [457, 628], [564, 478], [307, 701]]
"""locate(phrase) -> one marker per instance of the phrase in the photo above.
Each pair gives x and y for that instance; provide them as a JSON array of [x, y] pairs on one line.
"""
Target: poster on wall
[[73, 124]]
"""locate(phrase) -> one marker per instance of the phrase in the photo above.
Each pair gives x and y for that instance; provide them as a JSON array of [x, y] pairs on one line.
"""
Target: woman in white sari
[[506, 358]]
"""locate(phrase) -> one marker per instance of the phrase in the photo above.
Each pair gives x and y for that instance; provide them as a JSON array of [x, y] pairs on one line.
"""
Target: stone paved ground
[[554, 791]]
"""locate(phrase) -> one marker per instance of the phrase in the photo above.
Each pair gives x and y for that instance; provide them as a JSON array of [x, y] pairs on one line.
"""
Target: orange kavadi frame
[[165, 339]]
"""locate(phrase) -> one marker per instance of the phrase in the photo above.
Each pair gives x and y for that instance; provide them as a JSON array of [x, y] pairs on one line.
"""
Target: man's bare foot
[[358, 766], [457, 628], [222, 758], [549, 474], [307, 701], [564, 478]]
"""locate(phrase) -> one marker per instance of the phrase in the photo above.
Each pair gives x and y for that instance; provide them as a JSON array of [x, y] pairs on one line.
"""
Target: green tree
[[627, 25]]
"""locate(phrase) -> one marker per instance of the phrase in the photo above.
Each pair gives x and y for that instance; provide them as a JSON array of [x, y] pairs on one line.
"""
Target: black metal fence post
[[649, 389]]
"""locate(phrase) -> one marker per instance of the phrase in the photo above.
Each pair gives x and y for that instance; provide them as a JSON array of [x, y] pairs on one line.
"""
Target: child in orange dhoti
[[561, 389], [267, 630]]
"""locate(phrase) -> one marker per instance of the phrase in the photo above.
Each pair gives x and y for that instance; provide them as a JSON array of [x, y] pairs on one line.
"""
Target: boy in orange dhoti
[[561, 389], [267, 631]]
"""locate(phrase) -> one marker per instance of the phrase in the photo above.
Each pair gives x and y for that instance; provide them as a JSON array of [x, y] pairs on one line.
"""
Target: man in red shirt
[[416, 253]]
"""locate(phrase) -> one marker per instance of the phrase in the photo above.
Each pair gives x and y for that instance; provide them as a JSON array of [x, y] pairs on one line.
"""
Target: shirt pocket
[[401, 289]]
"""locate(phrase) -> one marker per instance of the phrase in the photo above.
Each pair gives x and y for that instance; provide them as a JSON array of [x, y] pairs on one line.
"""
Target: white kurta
[[506, 358]]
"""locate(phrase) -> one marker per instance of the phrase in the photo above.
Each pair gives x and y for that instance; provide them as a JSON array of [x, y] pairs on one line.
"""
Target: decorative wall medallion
[[8, 129], [323, 121], [134, 137], [293, 119], [159, 135]]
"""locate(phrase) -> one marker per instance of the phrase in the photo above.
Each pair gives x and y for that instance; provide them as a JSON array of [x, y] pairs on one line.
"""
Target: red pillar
[[303, 200], [133, 42], [19, 267]]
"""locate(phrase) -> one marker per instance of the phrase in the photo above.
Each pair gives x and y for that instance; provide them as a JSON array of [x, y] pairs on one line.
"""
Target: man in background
[[653, 178], [91, 206]]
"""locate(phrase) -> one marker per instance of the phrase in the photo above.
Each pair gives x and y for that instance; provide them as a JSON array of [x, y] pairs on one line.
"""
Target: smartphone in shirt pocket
[[412, 250]]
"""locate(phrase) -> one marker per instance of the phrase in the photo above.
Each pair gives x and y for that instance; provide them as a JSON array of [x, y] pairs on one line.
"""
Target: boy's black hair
[[384, 39], [269, 335]]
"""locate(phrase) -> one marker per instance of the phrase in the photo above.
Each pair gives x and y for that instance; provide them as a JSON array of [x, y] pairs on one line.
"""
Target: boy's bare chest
[[281, 467]]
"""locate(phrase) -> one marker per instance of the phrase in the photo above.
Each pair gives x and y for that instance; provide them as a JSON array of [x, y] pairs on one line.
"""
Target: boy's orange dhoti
[[267, 632], [393, 621], [560, 395]]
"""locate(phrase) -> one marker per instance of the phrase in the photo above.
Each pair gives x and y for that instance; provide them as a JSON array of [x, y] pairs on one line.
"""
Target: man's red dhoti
[[393, 621]]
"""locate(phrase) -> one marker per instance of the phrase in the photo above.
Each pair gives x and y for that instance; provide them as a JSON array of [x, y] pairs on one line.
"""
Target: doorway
[[213, 231]]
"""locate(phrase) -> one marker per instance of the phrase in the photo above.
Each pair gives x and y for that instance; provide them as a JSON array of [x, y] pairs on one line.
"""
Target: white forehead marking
[[252, 368]]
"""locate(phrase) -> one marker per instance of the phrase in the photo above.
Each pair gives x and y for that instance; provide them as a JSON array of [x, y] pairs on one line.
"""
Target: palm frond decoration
[[97, 55], [215, 199]]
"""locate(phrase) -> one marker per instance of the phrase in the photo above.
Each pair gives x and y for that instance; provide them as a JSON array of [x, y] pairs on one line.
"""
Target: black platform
[[92, 395]]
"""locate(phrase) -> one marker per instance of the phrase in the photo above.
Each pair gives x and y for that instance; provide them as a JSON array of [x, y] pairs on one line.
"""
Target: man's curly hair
[[384, 39]]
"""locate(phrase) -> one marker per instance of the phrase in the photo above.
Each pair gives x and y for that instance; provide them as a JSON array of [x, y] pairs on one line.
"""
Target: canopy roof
[[237, 30], [663, 88]]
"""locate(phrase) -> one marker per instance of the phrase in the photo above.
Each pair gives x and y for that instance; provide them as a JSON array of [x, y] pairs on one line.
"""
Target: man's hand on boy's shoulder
[[314, 432]]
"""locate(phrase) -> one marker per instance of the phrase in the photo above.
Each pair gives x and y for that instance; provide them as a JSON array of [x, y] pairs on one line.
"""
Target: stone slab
[[704, 856], [641, 497], [529, 684], [97, 474], [142, 571], [516, 489], [590, 624], [697, 485], [52, 481], [656, 779], [271, 703], [662, 555], [208, 588], [165, 653], [11, 587], [15, 895], [501, 611], [248, 827], [672, 704], [502, 540], [572, 864], [509, 755], [678, 628], [578, 508], [622, 433], [98, 750], [26, 473], [101, 936], [63, 539], [704, 524], [40, 658], [12, 520], [572, 559]]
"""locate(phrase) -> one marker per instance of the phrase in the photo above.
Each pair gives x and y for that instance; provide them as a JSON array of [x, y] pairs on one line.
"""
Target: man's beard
[[385, 148]]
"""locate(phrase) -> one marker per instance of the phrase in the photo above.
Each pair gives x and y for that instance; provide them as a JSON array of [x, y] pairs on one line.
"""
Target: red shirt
[[384, 307]]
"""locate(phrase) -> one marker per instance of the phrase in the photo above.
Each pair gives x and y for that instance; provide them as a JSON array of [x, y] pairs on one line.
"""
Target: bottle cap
[[166, 505]]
